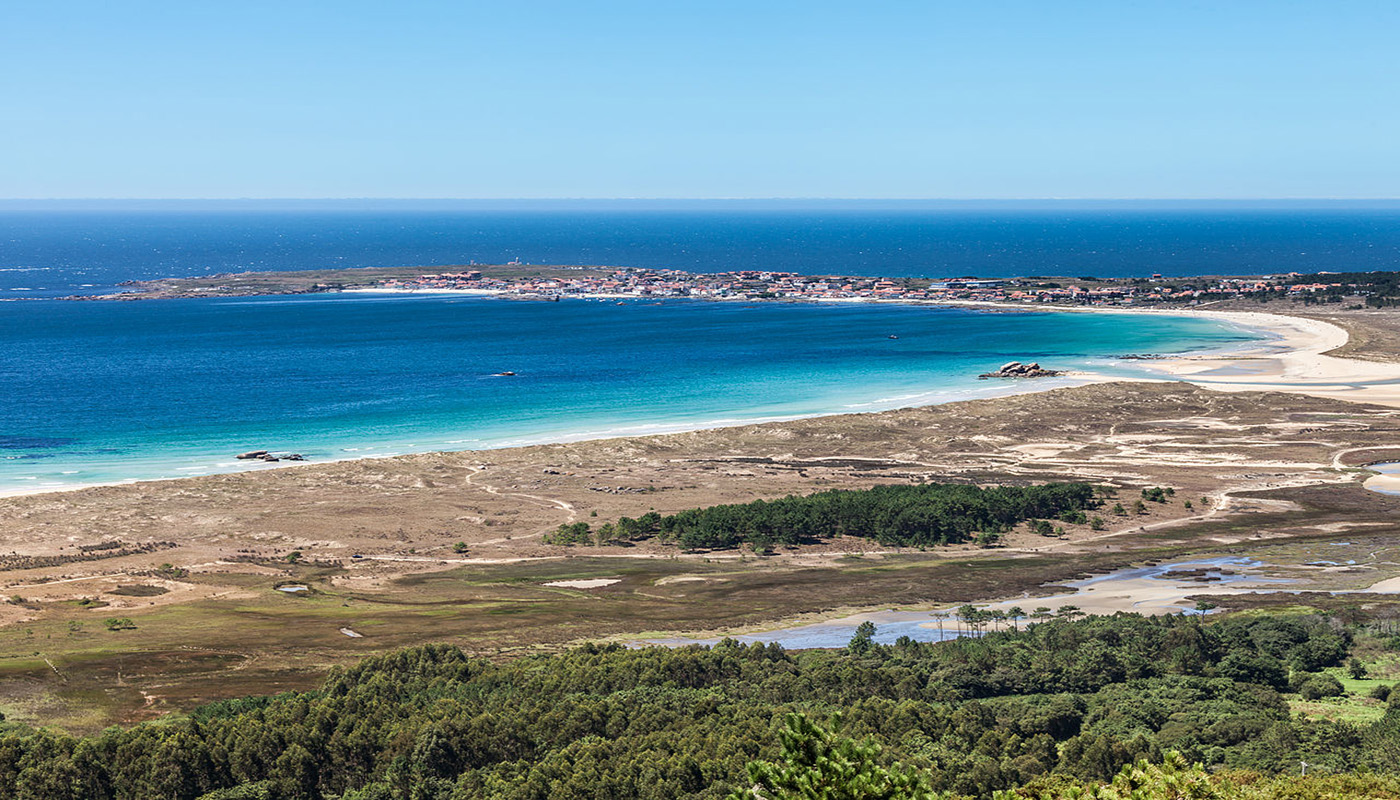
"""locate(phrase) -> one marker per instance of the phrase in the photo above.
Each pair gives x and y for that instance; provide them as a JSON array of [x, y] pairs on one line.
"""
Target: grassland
[[68, 669], [1357, 705]]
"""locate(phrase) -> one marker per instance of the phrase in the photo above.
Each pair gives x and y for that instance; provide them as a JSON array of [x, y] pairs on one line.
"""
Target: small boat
[[506, 374], [892, 336]]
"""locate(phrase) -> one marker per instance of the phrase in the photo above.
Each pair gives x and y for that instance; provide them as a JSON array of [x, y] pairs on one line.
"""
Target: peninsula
[[1375, 289]]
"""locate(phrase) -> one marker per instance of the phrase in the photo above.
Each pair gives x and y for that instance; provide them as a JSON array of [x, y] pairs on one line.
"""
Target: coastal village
[[763, 285]]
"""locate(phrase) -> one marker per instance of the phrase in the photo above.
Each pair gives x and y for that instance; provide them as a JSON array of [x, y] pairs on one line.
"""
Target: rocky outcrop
[[264, 455], [1015, 369]]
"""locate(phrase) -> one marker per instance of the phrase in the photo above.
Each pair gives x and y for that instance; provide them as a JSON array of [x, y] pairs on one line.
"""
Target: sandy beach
[[1296, 362], [486, 293]]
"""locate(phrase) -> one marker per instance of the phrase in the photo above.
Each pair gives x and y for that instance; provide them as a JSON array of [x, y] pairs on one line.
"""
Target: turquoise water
[[99, 392]]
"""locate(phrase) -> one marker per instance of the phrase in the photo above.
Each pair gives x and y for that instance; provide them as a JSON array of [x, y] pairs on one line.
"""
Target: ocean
[[61, 248], [101, 392]]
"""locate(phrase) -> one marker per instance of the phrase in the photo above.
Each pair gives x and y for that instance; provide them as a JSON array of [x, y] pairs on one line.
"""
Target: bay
[[98, 392]]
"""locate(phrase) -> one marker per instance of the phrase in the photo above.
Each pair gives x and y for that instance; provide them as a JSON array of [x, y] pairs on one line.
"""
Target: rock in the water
[[1015, 369]]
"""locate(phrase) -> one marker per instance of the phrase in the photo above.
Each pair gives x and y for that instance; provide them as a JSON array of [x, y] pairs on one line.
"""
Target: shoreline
[[1008, 389], [1292, 359], [1386, 480], [1296, 361]]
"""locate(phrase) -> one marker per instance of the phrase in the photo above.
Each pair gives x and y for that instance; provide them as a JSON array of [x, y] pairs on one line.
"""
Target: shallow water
[[98, 392], [1213, 569], [1390, 485], [926, 626]]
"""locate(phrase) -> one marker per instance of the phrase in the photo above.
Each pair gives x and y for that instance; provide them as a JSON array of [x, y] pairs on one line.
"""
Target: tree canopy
[[897, 515]]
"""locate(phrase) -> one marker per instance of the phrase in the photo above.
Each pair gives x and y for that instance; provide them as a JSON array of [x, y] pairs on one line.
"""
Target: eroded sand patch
[[670, 579], [591, 583], [1387, 586]]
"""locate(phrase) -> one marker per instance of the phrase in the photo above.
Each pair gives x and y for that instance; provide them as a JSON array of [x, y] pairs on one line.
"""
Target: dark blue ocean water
[[108, 391], [64, 248]]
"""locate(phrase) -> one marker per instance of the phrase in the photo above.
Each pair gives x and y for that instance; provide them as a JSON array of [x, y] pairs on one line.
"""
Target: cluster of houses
[[758, 285]]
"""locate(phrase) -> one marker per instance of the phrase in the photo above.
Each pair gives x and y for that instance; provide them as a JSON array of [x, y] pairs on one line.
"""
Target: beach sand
[[1388, 482], [1297, 362], [1294, 360]]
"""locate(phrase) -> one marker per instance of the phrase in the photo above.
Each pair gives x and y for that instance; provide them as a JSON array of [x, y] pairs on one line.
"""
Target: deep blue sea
[[95, 392], [63, 248]]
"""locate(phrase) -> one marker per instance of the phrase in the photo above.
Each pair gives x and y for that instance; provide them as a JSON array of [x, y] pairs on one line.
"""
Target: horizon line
[[766, 198]]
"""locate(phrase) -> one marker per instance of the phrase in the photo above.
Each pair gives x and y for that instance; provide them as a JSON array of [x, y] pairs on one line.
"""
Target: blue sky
[[930, 99]]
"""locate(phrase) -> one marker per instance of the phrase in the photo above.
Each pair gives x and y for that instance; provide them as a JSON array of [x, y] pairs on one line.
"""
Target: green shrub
[[1320, 686]]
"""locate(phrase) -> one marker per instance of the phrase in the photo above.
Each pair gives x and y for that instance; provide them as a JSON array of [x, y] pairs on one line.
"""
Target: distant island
[[1349, 289]]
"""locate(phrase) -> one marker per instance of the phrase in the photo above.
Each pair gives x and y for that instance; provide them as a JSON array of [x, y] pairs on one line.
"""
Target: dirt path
[[1337, 459], [567, 508]]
